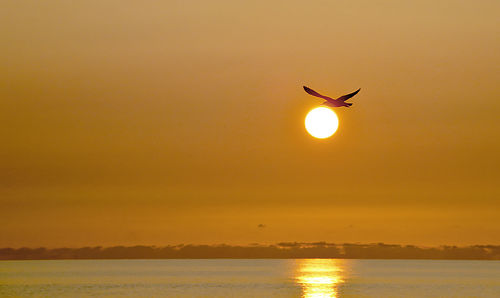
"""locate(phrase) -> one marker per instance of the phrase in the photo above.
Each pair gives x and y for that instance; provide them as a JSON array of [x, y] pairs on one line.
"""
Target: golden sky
[[165, 122]]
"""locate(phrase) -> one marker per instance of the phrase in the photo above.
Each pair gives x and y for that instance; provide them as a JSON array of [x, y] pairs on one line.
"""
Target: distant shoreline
[[289, 250]]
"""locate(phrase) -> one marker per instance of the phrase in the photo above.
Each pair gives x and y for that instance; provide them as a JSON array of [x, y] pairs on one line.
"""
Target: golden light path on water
[[319, 277]]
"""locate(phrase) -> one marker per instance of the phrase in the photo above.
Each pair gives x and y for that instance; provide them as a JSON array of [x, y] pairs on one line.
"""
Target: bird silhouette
[[339, 102]]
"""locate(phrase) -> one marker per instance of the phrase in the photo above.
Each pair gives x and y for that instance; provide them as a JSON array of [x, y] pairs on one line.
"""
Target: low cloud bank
[[284, 250]]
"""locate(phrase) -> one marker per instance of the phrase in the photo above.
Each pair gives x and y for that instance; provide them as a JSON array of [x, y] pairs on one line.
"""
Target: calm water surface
[[251, 278]]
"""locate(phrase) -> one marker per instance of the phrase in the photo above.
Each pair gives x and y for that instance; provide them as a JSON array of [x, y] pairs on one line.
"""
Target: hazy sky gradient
[[164, 122]]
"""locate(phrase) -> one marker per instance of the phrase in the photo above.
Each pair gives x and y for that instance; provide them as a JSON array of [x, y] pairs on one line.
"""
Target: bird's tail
[[349, 104]]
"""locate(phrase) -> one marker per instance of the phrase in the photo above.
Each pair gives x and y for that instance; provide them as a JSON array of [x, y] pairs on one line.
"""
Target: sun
[[321, 122]]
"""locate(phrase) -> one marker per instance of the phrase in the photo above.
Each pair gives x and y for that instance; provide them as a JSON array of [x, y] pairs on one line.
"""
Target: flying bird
[[339, 102]]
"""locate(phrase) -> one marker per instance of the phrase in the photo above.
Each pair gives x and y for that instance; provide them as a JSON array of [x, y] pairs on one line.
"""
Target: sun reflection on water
[[319, 277]]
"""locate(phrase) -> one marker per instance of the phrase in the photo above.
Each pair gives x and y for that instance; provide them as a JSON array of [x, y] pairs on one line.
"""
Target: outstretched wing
[[314, 93], [347, 96]]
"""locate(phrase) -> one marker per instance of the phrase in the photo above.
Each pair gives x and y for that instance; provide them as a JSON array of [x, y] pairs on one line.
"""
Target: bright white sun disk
[[321, 122]]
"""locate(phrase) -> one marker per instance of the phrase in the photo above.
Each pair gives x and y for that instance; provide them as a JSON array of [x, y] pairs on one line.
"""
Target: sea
[[250, 278]]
